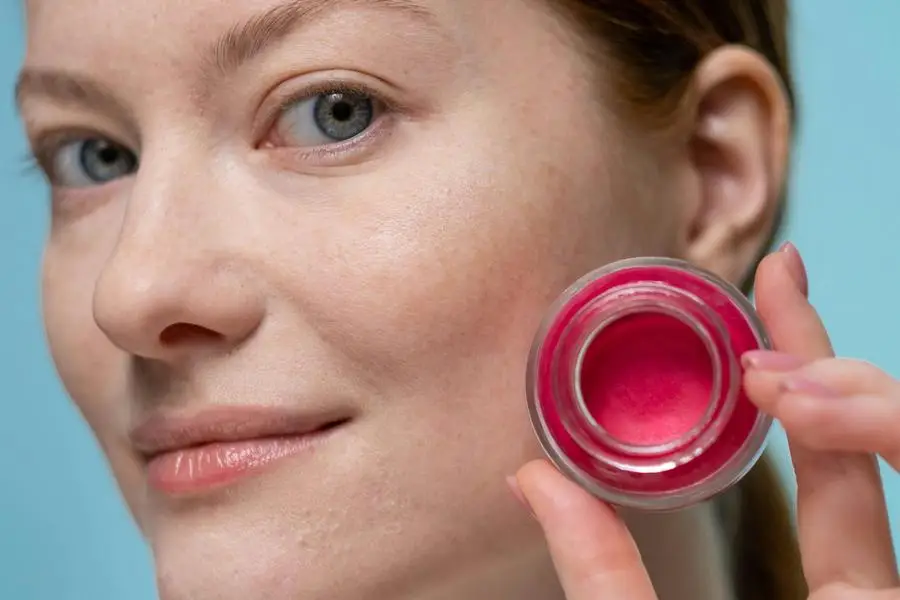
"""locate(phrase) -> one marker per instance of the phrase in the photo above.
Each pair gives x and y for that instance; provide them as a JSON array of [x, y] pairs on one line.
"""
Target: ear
[[739, 136]]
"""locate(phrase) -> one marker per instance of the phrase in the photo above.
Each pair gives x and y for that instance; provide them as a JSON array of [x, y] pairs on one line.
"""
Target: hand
[[838, 414]]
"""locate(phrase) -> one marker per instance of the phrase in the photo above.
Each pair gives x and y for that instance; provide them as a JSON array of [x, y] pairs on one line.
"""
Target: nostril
[[179, 334]]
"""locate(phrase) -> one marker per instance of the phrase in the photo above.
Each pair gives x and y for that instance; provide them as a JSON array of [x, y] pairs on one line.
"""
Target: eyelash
[[327, 87], [47, 146], [30, 165], [387, 107]]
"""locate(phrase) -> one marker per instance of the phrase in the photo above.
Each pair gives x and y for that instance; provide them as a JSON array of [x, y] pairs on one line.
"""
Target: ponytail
[[766, 553]]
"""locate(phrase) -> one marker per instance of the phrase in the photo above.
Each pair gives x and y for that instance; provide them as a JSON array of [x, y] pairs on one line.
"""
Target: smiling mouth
[[211, 452]]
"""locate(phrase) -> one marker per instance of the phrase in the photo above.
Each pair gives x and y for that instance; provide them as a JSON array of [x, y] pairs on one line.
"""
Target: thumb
[[593, 552]]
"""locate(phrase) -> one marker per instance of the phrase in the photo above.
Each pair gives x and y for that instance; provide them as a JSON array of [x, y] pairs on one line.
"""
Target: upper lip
[[159, 433]]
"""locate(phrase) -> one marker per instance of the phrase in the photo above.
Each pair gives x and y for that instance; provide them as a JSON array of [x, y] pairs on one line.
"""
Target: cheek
[[437, 268], [86, 362]]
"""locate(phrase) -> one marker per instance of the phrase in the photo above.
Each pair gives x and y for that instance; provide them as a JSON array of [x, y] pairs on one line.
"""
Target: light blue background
[[63, 532]]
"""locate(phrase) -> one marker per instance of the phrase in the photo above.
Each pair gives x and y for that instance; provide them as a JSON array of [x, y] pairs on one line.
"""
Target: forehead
[[159, 24], [156, 49], [120, 38], [154, 24], [151, 49]]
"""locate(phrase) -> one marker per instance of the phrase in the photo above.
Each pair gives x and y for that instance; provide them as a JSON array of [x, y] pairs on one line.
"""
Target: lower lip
[[634, 384], [211, 466]]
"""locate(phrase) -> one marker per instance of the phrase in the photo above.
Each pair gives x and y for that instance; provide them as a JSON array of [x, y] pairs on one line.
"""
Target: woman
[[341, 222]]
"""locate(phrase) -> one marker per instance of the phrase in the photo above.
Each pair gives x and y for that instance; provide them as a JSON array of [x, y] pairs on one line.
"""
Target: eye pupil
[[108, 154], [342, 111]]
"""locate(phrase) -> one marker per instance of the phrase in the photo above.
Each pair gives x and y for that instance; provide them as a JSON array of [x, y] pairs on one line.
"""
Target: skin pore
[[226, 251]]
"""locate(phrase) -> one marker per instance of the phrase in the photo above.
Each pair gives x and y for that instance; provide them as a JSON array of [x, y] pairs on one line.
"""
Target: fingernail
[[796, 267], [513, 485], [802, 385], [770, 360]]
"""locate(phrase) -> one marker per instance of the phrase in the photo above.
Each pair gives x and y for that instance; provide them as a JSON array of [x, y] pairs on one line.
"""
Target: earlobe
[[738, 151]]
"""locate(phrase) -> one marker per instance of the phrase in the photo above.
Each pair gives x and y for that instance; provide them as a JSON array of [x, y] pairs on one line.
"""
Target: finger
[[846, 376], [842, 517], [767, 372], [829, 404], [792, 322], [593, 552], [847, 592], [764, 370]]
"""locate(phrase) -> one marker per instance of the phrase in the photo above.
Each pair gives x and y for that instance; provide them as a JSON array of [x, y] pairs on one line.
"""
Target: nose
[[175, 284]]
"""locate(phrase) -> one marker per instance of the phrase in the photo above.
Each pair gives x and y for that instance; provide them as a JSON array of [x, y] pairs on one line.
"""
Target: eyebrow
[[66, 88], [243, 42], [233, 49]]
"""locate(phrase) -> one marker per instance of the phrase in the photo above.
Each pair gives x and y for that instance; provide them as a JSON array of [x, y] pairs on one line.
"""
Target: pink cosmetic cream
[[635, 384]]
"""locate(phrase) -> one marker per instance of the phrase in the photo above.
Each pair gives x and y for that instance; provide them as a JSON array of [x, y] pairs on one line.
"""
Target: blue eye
[[89, 162], [326, 119]]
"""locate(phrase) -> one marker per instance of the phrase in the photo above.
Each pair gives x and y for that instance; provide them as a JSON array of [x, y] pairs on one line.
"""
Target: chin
[[263, 540], [237, 565]]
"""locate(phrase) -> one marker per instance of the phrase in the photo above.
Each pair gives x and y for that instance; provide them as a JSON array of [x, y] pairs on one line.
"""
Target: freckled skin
[[403, 284]]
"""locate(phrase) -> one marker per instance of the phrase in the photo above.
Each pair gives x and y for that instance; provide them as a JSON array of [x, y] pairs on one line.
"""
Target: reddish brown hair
[[655, 46]]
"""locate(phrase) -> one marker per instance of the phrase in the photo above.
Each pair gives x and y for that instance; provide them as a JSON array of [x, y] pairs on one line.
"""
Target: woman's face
[[317, 211]]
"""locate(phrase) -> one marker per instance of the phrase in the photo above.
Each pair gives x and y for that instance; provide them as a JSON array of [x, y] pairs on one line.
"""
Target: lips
[[217, 447]]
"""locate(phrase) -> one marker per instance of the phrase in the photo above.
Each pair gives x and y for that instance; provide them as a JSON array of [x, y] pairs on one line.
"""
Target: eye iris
[[104, 161], [341, 116]]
